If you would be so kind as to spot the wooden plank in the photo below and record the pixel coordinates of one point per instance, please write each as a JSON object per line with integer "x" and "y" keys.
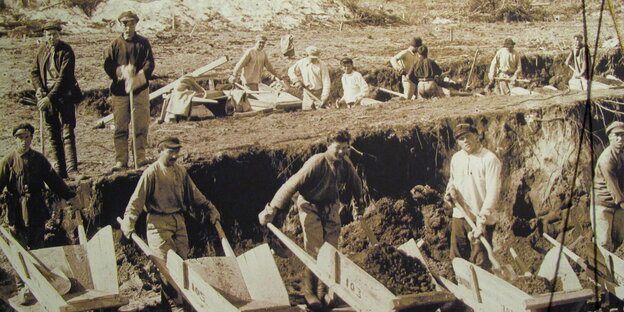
{"x": 202, "y": 100}
{"x": 102, "y": 261}
{"x": 494, "y": 290}
{"x": 428, "y": 299}
{"x": 552, "y": 264}
{"x": 38, "y": 284}
{"x": 576, "y": 258}
{"x": 366, "y": 292}
{"x": 262, "y": 276}
{"x": 198, "y": 72}
{"x": 223, "y": 274}
{"x": 203, "y": 297}
{"x": 393, "y": 92}
{"x": 465, "y": 294}
{"x": 618, "y": 265}
{"x": 558, "y": 298}
{"x": 355, "y": 283}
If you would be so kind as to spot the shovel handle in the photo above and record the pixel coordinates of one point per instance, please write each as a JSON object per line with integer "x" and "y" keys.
{"x": 227, "y": 248}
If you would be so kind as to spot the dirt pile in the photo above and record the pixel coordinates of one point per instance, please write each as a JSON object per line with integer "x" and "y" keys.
{"x": 533, "y": 285}
{"x": 400, "y": 273}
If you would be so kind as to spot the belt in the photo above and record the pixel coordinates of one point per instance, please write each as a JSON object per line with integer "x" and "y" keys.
{"x": 164, "y": 213}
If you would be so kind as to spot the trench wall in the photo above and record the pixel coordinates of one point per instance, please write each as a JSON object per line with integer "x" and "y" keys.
{"x": 539, "y": 149}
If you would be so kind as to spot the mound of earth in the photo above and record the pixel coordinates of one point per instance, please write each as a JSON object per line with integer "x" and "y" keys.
{"x": 400, "y": 273}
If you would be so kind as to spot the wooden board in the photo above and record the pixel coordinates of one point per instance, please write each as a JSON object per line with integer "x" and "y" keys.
{"x": 198, "y": 72}
{"x": 71, "y": 260}
{"x": 223, "y": 274}
{"x": 343, "y": 277}
{"x": 558, "y": 298}
{"x": 30, "y": 274}
{"x": 618, "y": 265}
{"x": 556, "y": 265}
{"x": 102, "y": 261}
{"x": 262, "y": 277}
{"x": 412, "y": 249}
{"x": 495, "y": 292}
{"x": 197, "y": 292}
{"x": 351, "y": 283}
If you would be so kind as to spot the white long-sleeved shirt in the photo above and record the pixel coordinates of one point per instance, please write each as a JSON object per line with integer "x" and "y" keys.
{"x": 252, "y": 63}
{"x": 477, "y": 178}
{"x": 354, "y": 86}
{"x": 314, "y": 76}
{"x": 505, "y": 62}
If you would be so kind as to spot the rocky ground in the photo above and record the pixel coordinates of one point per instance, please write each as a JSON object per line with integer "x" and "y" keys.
{"x": 537, "y": 138}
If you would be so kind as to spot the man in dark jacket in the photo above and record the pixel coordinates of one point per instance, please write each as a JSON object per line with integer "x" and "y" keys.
{"x": 318, "y": 183}
{"x": 23, "y": 173}
{"x": 129, "y": 62}
{"x": 426, "y": 71}
{"x": 57, "y": 94}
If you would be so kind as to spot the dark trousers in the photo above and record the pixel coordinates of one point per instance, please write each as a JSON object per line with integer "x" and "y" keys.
{"x": 60, "y": 122}
{"x": 471, "y": 250}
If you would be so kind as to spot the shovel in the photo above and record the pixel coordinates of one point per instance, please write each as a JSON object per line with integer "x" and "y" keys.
{"x": 505, "y": 272}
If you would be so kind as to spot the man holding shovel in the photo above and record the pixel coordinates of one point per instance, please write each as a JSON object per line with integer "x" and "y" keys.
{"x": 474, "y": 183}
{"x": 318, "y": 183}
{"x": 57, "y": 94}
{"x": 608, "y": 187}
{"x": 129, "y": 62}
{"x": 23, "y": 173}
{"x": 505, "y": 69}
{"x": 166, "y": 191}
{"x": 313, "y": 76}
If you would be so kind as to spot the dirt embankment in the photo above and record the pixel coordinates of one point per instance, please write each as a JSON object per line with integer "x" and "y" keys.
{"x": 538, "y": 147}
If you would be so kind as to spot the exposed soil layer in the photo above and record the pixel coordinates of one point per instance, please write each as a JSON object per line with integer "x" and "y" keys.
{"x": 533, "y": 285}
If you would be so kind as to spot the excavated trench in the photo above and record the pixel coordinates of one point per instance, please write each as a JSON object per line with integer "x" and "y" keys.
{"x": 538, "y": 146}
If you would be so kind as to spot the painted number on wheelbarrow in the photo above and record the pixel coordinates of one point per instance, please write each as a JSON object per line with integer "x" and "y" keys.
{"x": 352, "y": 287}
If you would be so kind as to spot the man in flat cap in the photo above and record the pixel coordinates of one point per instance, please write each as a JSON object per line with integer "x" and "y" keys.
{"x": 252, "y": 64}
{"x": 129, "y": 62}
{"x": 166, "y": 190}
{"x": 608, "y": 187}
{"x": 505, "y": 68}
{"x": 403, "y": 62}
{"x": 318, "y": 183}
{"x": 57, "y": 94}
{"x": 23, "y": 173}
{"x": 312, "y": 75}
{"x": 474, "y": 182}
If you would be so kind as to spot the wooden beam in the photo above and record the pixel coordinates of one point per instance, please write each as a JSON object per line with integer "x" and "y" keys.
{"x": 393, "y": 92}
{"x": 198, "y": 72}
{"x": 558, "y": 298}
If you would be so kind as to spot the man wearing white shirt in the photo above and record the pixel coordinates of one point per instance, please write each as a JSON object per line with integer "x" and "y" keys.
{"x": 476, "y": 178}
{"x": 505, "y": 68}
{"x": 403, "y": 62}
{"x": 353, "y": 84}
{"x": 313, "y": 75}
{"x": 252, "y": 64}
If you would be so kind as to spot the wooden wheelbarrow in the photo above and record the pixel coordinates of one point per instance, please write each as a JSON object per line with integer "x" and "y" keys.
{"x": 91, "y": 267}
{"x": 357, "y": 288}
{"x": 605, "y": 269}
{"x": 249, "y": 282}
{"x": 483, "y": 291}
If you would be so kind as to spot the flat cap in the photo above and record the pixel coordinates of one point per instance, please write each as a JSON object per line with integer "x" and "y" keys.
{"x": 509, "y": 43}
{"x": 52, "y": 25}
{"x": 23, "y": 127}
{"x": 128, "y": 15}
{"x": 464, "y": 128}
{"x": 416, "y": 42}
{"x": 313, "y": 51}
{"x": 170, "y": 142}
{"x": 615, "y": 127}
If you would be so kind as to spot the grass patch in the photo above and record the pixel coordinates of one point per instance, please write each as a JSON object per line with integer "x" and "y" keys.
{"x": 362, "y": 15}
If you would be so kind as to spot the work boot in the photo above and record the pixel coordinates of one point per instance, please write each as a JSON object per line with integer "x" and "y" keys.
{"x": 60, "y": 166}
{"x": 309, "y": 290}
{"x": 72, "y": 156}
{"x": 25, "y": 296}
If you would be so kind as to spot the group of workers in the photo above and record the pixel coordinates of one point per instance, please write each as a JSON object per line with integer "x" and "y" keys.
{"x": 165, "y": 190}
